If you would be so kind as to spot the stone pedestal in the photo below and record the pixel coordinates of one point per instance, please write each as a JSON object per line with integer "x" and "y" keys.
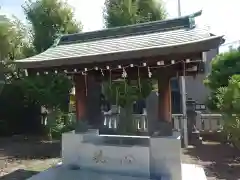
{"x": 165, "y": 157}
{"x": 136, "y": 156}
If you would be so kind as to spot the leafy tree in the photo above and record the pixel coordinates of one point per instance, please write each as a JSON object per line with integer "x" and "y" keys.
{"x": 123, "y": 91}
{"x": 49, "y": 19}
{"x": 151, "y": 10}
{"x": 229, "y": 104}
{"x": 122, "y": 13}
{"x": 127, "y": 12}
{"x": 224, "y": 66}
{"x": 12, "y": 35}
{"x": 5, "y": 28}
{"x": 37, "y": 91}
{"x": 13, "y": 40}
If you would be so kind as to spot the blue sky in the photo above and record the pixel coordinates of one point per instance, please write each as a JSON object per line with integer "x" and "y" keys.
{"x": 220, "y": 16}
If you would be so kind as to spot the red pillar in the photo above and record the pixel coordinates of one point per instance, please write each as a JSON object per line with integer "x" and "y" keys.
{"x": 80, "y": 95}
{"x": 164, "y": 90}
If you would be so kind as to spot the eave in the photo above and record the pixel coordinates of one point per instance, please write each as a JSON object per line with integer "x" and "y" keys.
{"x": 201, "y": 45}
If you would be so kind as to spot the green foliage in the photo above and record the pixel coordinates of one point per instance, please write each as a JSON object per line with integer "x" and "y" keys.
{"x": 12, "y": 35}
{"x": 224, "y": 82}
{"x": 13, "y": 45}
{"x": 122, "y": 13}
{"x": 151, "y": 10}
{"x": 61, "y": 124}
{"x": 49, "y": 19}
{"x": 13, "y": 40}
{"x": 229, "y": 96}
{"x": 123, "y": 92}
{"x": 229, "y": 104}
{"x": 5, "y": 28}
{"x": 224, "y": 66}
{"x": 50, "y": 91}
{"x": 127, "y": 12}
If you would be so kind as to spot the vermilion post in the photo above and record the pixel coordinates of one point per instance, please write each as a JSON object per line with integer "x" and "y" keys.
{"x": 80, "y": 95}
{"x": 164, "y": 90}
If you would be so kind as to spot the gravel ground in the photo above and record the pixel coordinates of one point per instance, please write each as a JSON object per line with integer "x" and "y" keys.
{"x": 21, "y": 158}
{"x": 220, "y": 161}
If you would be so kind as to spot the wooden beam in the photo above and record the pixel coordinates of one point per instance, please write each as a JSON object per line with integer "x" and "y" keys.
{"x": 164, "y": 94}
{"x": 150, "y": 61}
{"x": 80, "y": 93}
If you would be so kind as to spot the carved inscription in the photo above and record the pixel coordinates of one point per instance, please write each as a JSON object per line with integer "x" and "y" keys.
{"x": 98, "y": 157}
{"x": 129, "y": 159}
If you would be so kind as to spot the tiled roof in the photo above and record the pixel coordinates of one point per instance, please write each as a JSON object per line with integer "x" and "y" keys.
{"x": 124, "y": 44}
{"x": 136, "y": 29}
{"x": 154, "y": 35}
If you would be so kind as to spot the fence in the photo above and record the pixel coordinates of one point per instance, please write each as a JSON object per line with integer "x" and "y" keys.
{"x": 140, "y": 120}
{"x": 205, "y": 123}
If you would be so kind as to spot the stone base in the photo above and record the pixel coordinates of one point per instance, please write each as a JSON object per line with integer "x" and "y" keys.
{"x": 163, "y": 128}
{"x": 141, "y": 156}
{"x": 194, "y": 138}
{"x": 166, "y": 157}
{"x": 189, "y": 172}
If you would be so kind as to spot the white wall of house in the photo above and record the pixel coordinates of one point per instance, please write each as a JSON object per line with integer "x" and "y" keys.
{"x": 194, "y": 85}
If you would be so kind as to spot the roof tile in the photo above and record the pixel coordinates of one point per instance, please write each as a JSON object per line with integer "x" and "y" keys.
{"x": 123, "y": 44}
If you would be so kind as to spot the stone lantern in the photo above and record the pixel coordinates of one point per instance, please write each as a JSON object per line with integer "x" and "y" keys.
{"x": 193, "y": 134}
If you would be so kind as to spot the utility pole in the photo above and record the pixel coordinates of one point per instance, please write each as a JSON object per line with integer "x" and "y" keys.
{"x": 179, "y": 8}
{"x": 183, "y": 91}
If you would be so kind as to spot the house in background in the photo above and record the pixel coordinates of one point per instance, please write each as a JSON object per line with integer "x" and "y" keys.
{"x": 195, "y": 88}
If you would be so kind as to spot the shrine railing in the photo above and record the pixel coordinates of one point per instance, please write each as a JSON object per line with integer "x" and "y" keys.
{"x": 205, "y": 123}
{"x": 111, "y": 121}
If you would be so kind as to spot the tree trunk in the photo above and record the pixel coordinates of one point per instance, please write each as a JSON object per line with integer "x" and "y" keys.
{"x": 51, "y": 119}
{"x": 49, "y": 136}
{"x": 126, "y": 124}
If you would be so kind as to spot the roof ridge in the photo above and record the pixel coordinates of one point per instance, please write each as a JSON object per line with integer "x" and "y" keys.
{"x": 136, "y": 29}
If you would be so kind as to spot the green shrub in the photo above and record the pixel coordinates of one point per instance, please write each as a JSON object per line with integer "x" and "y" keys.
{"x": 61, "y": 124}
{"x": 229, "y": 104}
